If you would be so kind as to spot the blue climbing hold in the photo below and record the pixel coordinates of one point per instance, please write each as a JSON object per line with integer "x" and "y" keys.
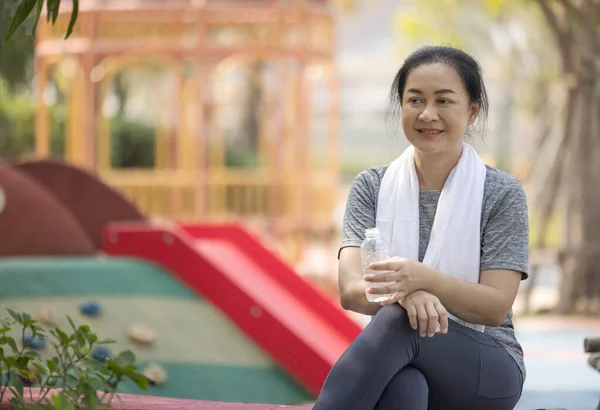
{"x": 90, "y": 309}
{"x": 100, "y": 353}
{"x": 33, "y": 342}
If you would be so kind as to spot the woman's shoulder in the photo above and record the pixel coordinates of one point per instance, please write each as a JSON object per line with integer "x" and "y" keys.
{"x": 370, "y": 178}
{"x": 502, "y": 188}
{"x": 499, "y": 181}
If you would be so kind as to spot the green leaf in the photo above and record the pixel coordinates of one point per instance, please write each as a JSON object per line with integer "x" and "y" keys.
{"x": 140, "y": 380}
{"x": 73, "y": 20}
{"x": 28, "y": 323}
{"x": 71, "y": 323}
{"x": 52, "y": 7}
{"x": 61, "y": 402}
{"x": 80, "y": 339}
{"x": 23, "y": 11}
{"x": 26, "y": 316}
{"x": 90, "y": 397}
{"x": 4, "y": 329}
{"x": 17, "y": 317}
{"x": 92, "y": 338}
{"x": 9, "y": 361}
{"x": 125, "y": 357}
{"x": 33, "y": 355}
{"x": 52, "y": 366}
{"x": 106, "y": 342}
{"x": 63, "y": 337}
{"x": 21, "y": 362}
{"x": 41, "y": 369}
{"x": 15, "y": 400}
{"x": 13, "y": 345}
{"x": 17, "y": 383}
{"x": 129, "y": 369}
{"x": 38, "y": 13}
{"x": 94, "y": 365}
{"x": 114, "y": 366}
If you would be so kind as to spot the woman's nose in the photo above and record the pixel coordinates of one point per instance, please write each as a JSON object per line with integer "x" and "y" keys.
{"x": 429, "y": 114}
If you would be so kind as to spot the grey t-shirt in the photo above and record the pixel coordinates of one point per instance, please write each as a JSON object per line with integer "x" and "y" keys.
{"x": 504, "y": 231}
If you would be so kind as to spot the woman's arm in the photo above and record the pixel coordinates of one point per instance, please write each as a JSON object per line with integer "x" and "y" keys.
{"x": 486, "y": 303}
{"x": 351, "y": 283}
{"x": 483, "y": 303}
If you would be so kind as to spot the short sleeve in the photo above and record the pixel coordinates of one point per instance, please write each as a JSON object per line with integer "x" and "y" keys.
{"x": 361, "y": 209}
{"x": 505, "y": 238}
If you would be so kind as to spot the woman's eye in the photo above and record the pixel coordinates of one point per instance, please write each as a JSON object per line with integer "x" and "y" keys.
{"x": 414, "y": 100}
{"x": 444, "y": 101}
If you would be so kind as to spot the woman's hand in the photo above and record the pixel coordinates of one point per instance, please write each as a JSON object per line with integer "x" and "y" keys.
{"x": 407, "y": 276}
{"x": 425, "y": 312}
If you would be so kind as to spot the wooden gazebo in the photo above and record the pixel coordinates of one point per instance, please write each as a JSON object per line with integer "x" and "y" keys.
{"x": 292, "y": 189}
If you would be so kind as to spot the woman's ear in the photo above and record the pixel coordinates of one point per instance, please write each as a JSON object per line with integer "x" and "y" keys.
{"x": 473, "y": 111}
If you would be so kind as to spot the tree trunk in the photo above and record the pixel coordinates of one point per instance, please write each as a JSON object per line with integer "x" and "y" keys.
{"x": 577, "y": 33}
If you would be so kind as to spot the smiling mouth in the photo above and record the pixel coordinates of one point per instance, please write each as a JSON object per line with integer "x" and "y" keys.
{"x": 430, "y": 133}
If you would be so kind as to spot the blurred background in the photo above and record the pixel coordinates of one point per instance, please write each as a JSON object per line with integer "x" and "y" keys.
{"x": 260, "y": 114}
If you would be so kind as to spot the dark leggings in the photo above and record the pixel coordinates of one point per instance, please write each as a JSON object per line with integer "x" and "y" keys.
{"x": 389, "y": 366}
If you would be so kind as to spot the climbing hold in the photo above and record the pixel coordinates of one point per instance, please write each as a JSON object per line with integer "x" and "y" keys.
{"x": 47, "y": 316}
{"x": 33, "y": 342}
{"x": 156, "y": 374}
{"x": 100, "y": 353}
{"x": 90, "y": 309}
{"x": 141, "y": 334}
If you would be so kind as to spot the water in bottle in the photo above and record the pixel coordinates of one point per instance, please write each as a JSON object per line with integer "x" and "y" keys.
{"x": 374, "y": 249}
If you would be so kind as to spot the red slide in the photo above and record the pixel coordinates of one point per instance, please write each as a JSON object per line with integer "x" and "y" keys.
{"x": 300, "y": 327}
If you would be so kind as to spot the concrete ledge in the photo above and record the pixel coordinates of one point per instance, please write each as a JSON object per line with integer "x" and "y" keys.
{"x": 139, "y": 402}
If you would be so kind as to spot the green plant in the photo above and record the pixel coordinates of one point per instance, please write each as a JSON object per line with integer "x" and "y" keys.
{"x": 71, "y": 379}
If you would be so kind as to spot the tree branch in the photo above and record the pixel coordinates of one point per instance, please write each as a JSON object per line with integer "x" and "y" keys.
{"x": 562, "y": 34}
{"x": 586, "y": 22}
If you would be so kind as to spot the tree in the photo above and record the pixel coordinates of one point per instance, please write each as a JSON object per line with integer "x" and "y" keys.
{"x": 575, "y": 171}
{"x": 26, "y": 10}
{"x": 575, "y": 25}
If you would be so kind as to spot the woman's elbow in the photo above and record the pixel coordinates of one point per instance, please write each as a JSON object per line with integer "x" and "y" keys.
{"x": 345, "y": 300}
{"x": 497, "y": 318}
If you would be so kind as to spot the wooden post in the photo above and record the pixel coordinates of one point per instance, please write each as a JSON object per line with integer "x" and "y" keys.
{"x": 42, "y": 143}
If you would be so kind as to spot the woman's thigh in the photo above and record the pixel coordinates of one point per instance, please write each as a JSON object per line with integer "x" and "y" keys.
{"x": 467, "y": 369}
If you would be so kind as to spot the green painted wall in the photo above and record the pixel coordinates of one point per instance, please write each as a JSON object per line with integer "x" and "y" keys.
{"x": 206, "y": 357}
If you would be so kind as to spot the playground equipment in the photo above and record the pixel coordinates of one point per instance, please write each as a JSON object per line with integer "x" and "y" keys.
{"x": 286, "y": 46}
{"x": 230, "y": 321}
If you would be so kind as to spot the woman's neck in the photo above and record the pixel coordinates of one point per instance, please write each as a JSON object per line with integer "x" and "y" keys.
{"x": 433, "y": 170}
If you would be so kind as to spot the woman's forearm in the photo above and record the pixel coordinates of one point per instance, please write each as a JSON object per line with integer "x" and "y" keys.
{"x": 352, "y": 297}
{"x": 473, "y": 302}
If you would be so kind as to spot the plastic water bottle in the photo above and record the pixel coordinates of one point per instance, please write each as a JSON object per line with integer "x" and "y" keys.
{"x": 374, "y": 249}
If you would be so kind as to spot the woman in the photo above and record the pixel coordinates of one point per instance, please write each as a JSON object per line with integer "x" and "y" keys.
{"x": 445, "y": 339}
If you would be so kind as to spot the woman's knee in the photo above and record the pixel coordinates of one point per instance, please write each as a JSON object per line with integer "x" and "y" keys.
{"x": 408, "y": 389}
{"x": 393, "y": 317}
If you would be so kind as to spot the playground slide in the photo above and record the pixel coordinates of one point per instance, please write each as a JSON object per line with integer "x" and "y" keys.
{"x": 299, "y": 327}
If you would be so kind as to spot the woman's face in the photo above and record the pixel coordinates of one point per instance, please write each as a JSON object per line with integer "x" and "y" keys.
{"x": 436, "y": 109}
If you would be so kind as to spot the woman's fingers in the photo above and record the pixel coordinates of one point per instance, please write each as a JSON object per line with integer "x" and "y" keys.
{"x": 412, "y": 315}
{"x": 423, "y": 319}
{"x": 391, "y": 264}
{"x": 443, "y": 317}
{"x": 433, "y": 319}
{"x": 396, "y": 297}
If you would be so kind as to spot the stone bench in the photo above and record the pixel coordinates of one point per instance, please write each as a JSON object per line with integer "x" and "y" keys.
{"x": 140, "y": 402}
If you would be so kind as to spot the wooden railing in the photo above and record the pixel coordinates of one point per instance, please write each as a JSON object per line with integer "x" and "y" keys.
{"x": 271, "y": 205}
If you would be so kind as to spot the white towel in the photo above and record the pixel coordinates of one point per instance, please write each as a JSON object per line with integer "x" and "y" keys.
{"x": 455, "y": 244}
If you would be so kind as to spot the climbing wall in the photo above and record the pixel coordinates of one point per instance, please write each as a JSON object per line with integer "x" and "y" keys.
{"x": 202, "y": 354}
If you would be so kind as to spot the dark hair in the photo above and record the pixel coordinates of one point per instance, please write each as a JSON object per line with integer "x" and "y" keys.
{"x": 466, "y": 66}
